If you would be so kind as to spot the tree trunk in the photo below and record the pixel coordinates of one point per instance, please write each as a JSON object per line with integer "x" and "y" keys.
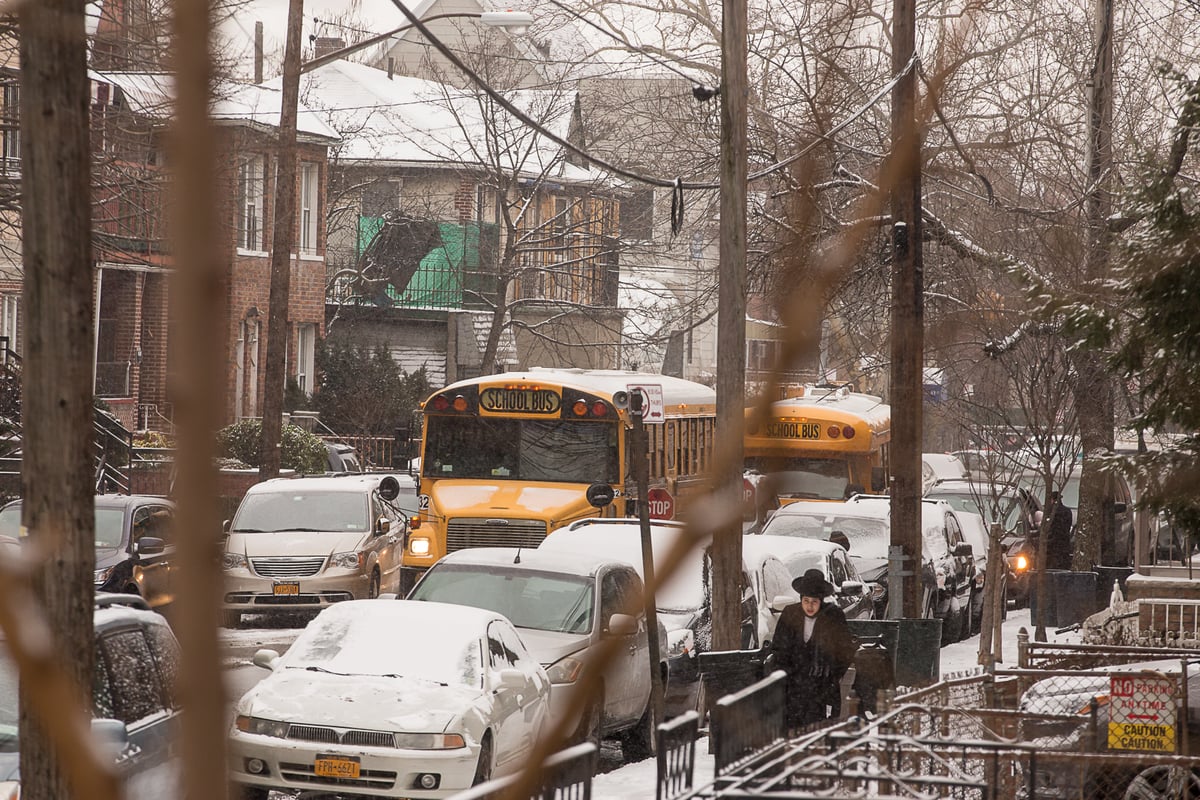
{"x": 56, "y": 474}
{"x": 487, "y": 364}
{"x": 282, "y": 240}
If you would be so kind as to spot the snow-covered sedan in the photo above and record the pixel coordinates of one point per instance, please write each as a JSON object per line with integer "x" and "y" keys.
{"x": 391, "y": 699}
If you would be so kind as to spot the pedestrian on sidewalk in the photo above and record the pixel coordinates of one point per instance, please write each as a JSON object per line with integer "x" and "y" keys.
{"x": 814, "y": 646}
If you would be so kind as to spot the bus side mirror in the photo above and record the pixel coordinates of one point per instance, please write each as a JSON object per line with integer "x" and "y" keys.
{"x": 600, "y": 494}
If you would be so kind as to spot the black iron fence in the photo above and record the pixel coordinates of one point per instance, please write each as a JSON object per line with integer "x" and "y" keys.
{"x": 676, "y": 756}
{"x": 746, "y": 722}
{"x": 566, "y": 775}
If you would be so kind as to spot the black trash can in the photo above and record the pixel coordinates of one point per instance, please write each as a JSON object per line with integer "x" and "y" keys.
{"x": 874, "y": 669}
{"x": 918, "y": 652}
{"x": 1074, "y": 597}
{"x": 1035, "y": 602}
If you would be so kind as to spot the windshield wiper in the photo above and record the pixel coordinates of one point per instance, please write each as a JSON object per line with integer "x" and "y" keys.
{"x": 427, "y": 680}
{"x": 246, "y": 530}
{"x": 315, "y": 668}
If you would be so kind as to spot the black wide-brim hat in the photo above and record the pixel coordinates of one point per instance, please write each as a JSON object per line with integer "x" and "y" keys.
{"x": 813, "y": 584}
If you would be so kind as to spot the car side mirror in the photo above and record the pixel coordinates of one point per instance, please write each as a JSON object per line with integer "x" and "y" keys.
{"x": 622, "y": 625}
{"x": 781, "y": 601}
{"x": 225, "y": 525}
{"x": 265, "y": 658}
{"x": 149, "y": 546}
{"x": 511, "y": 679}
{"x": 964, "y": 550}
{"x": 112, "y": 735}
{"x": 382, "y": 526}
{"x": 851, "y": 588}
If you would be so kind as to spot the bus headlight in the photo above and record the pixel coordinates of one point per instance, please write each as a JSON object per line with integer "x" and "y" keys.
{"x": 418, "y": 546}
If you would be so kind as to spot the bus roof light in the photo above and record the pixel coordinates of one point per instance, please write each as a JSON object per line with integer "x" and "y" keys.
{"x": 834, "y": 431}
{"x": 580, "y": 407}
{"x": 848, "y": 431}
{"x": 460, "y": 403}
{"x": 599, "y": 409}
{"x": 440, "y": 403}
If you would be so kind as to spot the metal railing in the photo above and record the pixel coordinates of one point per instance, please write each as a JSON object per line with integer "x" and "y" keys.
{"x": 676, "y": 756}
{"x": 746, "y": 722}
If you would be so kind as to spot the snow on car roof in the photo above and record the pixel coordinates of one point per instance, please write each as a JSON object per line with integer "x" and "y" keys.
{"x": 350, "y": 482}
{"x": 571, "y": 563}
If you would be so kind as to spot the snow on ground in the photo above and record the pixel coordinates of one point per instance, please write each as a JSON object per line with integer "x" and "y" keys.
{"x": 638, "y": 780}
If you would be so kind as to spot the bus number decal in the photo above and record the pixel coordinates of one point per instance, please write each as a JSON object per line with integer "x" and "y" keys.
{"x": 423, "y": 502}
{"x": 527, "y": 401}
{"x": 794, "y": 430}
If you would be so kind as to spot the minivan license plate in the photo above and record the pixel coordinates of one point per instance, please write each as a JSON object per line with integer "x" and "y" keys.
{"x": 336, "y": 767}
{"x": 288, "y": 588}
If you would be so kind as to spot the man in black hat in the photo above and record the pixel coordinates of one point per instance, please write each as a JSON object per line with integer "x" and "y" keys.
{"x": 813, "y": 644}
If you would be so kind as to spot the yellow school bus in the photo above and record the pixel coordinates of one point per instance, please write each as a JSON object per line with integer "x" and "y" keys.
{"x": 821, "y": 444}
{"x": 505, "y": 459}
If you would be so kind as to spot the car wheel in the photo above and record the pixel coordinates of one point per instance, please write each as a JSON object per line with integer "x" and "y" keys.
{"x": 373, "y": 588}
{"x": 637, "y": 743}
{"x": 1163, "y": 782}
{"x": 592, "y": 723}
{"x": 483, "y": 768}
{"x": 231, "y": 619}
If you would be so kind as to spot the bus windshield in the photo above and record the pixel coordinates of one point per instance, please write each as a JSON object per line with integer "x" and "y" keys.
{"x": 521, "y": 449}
{"x": 805, "y": 478}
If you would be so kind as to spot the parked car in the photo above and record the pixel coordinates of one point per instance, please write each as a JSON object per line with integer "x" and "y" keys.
{"x": 565, "y": 605}
{"x": 300, "y": 544}
{"x": 800, "y": 555}
{"x": 134, "y": 554}
{"x": 342, "y": 458}
{"x": 135, "y": 709}
{"x": 940, "y": 467}
{"x": 948, "y": 571}
{"x": 684, "y": 599}
{"x": 391, "y": 699}
{"x": 1117, "y": 543}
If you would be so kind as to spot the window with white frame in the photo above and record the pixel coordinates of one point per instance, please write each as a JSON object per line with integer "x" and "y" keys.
{"x": 306, "y": 345}
{"x": 761, "y": 354}
{"x": 308, "y": 208}
{"x": 251, "y": 175}
{"x": 11, "y": 124}
{"x": 9, "y": 310}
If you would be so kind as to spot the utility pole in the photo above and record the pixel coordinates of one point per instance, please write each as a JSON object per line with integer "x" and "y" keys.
{"x": 641, "y": 476}
{"x": 282, "y": 239}
{"x": 731, "y": 327}
{"x": 908, "y": 336}
{"x": 1093, "y": 384}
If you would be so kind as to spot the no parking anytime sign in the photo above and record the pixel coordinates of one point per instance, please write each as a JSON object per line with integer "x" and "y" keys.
{"x": 1142, "y": 713}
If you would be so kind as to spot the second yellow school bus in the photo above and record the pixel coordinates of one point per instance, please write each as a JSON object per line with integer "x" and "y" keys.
{"x": 505, "y": 459}
{"x": 821, "y": 443}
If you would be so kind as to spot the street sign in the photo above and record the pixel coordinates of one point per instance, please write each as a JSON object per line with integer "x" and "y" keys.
{"x": 1142, "y": 712}
{"x": 748, "y": 492}
{"x": 660, "y": 504}
{"x": 654, "y": 411}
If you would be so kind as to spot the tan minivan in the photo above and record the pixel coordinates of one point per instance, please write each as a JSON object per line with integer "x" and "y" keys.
{"x": 301, "y": 544}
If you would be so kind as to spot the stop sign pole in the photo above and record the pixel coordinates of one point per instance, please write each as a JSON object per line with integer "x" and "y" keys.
{"x": 641, "y": 477}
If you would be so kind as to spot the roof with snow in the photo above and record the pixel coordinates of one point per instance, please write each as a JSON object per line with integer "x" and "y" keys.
{"x": 410, "y": 120}
{"x": 153, "y": 94}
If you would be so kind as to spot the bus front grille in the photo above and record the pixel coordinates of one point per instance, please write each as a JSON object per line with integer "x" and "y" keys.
{"x": 464, "y": 533}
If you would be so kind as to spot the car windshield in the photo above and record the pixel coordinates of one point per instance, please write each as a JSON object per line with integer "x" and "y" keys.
{"x": 8, "y": 702}
{"x": 521, "y": 449}
{"x": 299, "y": 510}
{"x": 110, "y": 525}
{"x": 807, "y": 478}
{"x": 538, "y": 600}
{"x": 366, "y": 640}
{"x": 869, "y": 536}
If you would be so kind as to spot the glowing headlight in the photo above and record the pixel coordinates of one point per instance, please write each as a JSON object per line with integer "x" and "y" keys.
{"x": 1021, "y": 563}
{"x": 429, "y": 741}
{"x": 565, "y": 670}
{"x": 347, "y": 560}
{"x": 419, "y": 546}
{"x": 103, "y": 574}
{"x": 233, "y": 561}
{"x": 262, "y": 727}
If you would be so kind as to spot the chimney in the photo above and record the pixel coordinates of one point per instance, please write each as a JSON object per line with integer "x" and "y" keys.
{"x": 324, "y": 45}
{"x": 391, "y": 67}
{"x": 258, "y": 51}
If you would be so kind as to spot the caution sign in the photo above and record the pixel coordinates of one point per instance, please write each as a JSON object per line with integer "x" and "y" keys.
{"x": 1142, "y": 713}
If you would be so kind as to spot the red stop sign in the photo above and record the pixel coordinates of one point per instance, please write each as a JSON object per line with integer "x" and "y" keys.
{"x": 660, "y": 504}
{"x": 747, "y": 491}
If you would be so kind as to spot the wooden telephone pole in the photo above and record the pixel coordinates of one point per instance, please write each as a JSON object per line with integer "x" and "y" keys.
{"x": 908, "y": 315}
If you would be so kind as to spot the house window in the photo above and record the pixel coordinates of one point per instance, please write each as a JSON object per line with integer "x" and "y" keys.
{"x": 381, "y": 196}
{"x": 308, "y": 208}
{"x": 761, "y": 354}
{"x": 306, "y": 336}
{"x": 10, "y": 124}
{"x": 9, "y": 305}
{"x": 637, "y": 216}
{"x": 250, "y": 203}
